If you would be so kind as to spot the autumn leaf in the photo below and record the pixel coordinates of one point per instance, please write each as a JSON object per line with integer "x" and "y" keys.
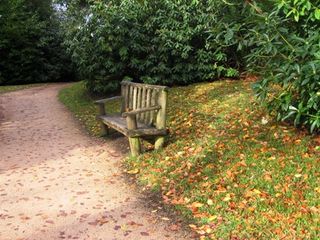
{"x": 210, "y": 202}
{"x": 133, "y": 171}
{"x": 227, "y": 198}
{"x": 197, "y": 205}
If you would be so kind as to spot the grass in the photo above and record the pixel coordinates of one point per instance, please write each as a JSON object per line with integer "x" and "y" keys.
{"x": 81, "y": 104}
{"x": 227, "y": 165}
{"x": 5, "y": 89}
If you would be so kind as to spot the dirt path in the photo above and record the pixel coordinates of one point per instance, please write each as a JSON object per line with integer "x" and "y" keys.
{"x": 57, "y": 183}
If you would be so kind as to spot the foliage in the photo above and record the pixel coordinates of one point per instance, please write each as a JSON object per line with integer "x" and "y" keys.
{"x": 227, "y": 165}
{"x": 158, "y": 42}
{"x": 285, "y": 52}
{"x": 181, "y": 42}
{"x": 31, "y": 43}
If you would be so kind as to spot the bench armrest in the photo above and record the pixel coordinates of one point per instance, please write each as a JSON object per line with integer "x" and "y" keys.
{"x": 101, "y": 104}
{"x": 103, "y": 101}
{"x": 140, "y": 110}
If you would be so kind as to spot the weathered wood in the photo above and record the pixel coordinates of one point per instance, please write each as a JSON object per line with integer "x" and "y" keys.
{"x": 135, "y": 97}
{"x": 134, "y": 142}
{"x": 159, "y": 142}
{"x": 115, "y": 122}
{"x": 148, "y": 104}
{"x": 143, "y": 104}
{"x": 123, "y": 102}
{"x": 119, "y": 123}
{"x": 147, "y": 132}
{"x": 139, "y": 103}
{"x": 103, "y": 101}
{"x": 153, "y": 103}
{"x": 126, "y": 97}
{"x": 161, "y": 118}
{"x": 144, "y": 85}
{"x": 102, "y": 111}
{"x": 142, "y": 114}
{"x": 130, "y": 100}
{"x": 141, "y": 110}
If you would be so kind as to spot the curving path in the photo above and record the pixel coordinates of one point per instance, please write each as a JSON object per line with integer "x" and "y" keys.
{"x": 57, "y": 183}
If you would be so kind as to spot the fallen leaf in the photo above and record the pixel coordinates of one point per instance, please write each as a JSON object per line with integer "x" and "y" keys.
{"x": 210, "y": 202}
{"x": 227, "y": 198}
{"x": 197, "y": 205}
{"x": 144, "y": 234}
{"x": 211, "y": 218}
{"x": 133, "y": 171}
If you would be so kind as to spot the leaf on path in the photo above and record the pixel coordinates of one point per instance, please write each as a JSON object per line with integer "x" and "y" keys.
{"x": 133, "y": 171}
{"x": 144, "y": 234}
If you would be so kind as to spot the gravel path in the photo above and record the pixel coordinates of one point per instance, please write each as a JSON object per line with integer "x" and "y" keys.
{"x": 58, "y": 183}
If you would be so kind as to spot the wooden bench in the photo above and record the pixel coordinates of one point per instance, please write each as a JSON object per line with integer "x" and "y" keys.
{"x": 142, "y": 114}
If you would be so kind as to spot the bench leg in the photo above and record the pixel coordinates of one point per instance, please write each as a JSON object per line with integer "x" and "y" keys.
{"x": 159, "y": 142}
{"x": 104, "y": 129}
{"x": 135, "y": 146}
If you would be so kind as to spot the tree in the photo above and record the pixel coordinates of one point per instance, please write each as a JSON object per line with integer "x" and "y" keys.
{"x": 31, "y": 43}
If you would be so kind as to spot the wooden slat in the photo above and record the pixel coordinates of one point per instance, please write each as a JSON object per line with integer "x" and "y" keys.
{"x": 153, "y": 103}
{"x": 139, "y": 102}
{"x": 147, "y": 132}
{"x": 126, "y": 90}
{"x": 141, "y": 110}
{"x": 143, "y": 104}
{"x": 123, "y": 102}
{"x": 117, "y": 122}
{"x": 127, "y": 97}
{"x": 148, "y": 86}
{"x": 134, "y": 98}
{"x": 130, "y": 97}
{"x": 148, "y": 104}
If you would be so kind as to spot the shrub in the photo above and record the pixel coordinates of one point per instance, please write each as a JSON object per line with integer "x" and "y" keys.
{"x": 285, "y": 52}
{"x": 157, "y": 42}
{"x": 181, "y": 42}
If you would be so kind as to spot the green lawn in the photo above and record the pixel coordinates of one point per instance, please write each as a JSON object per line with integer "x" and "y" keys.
{"x": 227, "y": 165}
{"x": 82, "y": 105}
{"x": 4, "y": 89}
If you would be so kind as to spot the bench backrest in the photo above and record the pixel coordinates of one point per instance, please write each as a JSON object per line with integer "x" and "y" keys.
{"x": 137, "y": 95}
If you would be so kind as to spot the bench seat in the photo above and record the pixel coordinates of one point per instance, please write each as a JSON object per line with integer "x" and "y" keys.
{"x": 119, "y": 123}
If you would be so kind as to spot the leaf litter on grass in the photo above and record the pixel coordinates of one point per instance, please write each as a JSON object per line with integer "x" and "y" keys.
{"x": 232, "y": 169}
{"x": 227, "y": 165}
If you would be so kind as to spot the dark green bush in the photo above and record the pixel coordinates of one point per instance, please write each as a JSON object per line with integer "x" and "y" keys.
{"x": 157, "y": 42}
{"x": 285, "y": 51}
{"x": 181, "y": 42}
{"x": 31, "y": 47}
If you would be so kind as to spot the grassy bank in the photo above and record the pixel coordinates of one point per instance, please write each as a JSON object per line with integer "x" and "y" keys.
{"x": 81, "y": 104}
{"x": 227, "y": 165}
{"x": 4, "y": 89}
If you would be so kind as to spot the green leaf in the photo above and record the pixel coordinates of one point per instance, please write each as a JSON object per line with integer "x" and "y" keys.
{"x": 314, "y": 124}
{"x": 317, "y": 14}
